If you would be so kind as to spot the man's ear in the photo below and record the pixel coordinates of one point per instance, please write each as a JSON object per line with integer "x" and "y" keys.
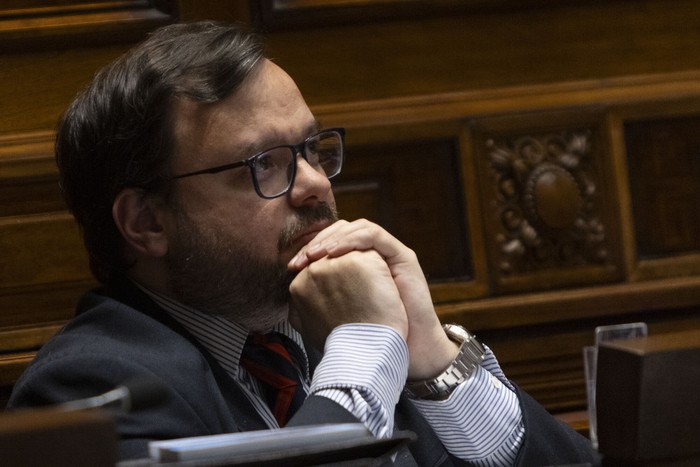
{"x": 133, "y": 213}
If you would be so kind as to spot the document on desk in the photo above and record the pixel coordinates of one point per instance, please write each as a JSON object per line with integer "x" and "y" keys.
{"x": 263, "y": 444}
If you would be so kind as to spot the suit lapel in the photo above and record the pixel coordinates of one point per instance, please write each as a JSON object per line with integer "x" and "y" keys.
{"x": 244, "y": 415}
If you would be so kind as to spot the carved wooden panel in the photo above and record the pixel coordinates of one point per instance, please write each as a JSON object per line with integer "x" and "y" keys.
{"x": 545, "y": 201}
{"x": 663, "y": 157}
{"x": 413, "y": 189}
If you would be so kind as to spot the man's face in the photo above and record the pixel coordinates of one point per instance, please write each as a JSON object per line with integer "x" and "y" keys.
{"x": 228, "y": 247}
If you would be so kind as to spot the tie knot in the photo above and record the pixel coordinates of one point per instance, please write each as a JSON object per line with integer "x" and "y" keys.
{"x": 273, "y": 344}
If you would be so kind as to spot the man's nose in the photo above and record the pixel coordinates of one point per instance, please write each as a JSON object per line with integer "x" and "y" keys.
{"x": 310, "y": 185}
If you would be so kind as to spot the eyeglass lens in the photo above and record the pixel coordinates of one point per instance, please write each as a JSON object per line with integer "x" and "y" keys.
{"x": 274, "y": 169}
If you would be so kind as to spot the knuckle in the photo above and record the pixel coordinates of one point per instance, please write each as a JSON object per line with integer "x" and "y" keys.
{"x": 411, "y": 254}
{"x": 295, "y": 286}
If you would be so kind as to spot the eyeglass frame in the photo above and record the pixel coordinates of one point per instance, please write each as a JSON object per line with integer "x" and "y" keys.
{"x": 297, "y": 149}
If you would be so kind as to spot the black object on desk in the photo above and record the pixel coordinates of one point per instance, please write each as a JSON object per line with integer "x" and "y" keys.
{"x": 648, "y": 400}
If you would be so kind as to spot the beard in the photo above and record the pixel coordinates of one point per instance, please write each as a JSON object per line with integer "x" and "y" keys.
{"x": 224, "y": 276}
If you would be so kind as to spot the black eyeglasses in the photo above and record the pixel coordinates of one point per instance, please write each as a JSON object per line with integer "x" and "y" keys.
{"x": 274, "y": 169}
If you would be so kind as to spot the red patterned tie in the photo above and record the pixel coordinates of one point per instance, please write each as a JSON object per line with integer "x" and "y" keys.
{"x": 267, "y": 358}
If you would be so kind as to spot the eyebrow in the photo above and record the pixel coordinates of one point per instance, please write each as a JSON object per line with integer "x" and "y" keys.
{"x": 256, "y": 147}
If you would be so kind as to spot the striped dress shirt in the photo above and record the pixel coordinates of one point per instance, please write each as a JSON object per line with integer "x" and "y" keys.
{"x": 364, "y": 369}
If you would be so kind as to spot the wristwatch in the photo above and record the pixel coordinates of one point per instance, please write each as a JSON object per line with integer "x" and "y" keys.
{"x": 471, "y": 353}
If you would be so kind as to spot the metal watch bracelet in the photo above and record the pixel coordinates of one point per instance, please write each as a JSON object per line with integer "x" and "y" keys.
{"x": 470, "y": 355}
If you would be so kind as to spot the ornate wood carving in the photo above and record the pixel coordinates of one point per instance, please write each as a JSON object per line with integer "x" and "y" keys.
{"x": 543, "y": 193}
{"x": 546, "y": 201}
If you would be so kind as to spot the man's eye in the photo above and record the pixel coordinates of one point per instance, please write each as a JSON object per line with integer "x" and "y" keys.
{"x": 264, "y": 162}
{"x": 272, "y": 163}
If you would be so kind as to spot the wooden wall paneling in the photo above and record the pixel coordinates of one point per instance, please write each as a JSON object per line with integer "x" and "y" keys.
{"x": 31, "y": 24}
{"x": 271, "y": 15}
{"x": 437, "y": 108}
{"x": 617, "y": 151}
{"x": 548, "y": 203}
{"x": 529, "y": 330}
{"x": 375, "y": 117}
{"x": 598, "y": 302}
{"x": 577, "y": 41}
{"x": 680, "y": 141}
{"x": 663, "y": 156}
{"x": 28, "y": 174}
{"x": 37, "y": 86}
{"x": 49, "y": 51}
{"x": 480, "y": 285}
{"x": 42, "y": 250}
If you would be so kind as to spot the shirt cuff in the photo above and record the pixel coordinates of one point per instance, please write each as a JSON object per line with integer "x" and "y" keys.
{"x": 481, "y": 421}
{"x": 364, "y": 369}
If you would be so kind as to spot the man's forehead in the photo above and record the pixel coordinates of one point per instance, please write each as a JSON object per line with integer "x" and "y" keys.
{"x": 206, "y": 136}
{"x": 196, "y": 122}
{"x": 265, "y": 111}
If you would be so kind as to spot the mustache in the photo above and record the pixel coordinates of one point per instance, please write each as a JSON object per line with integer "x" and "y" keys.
{"x": 303, "y": 218}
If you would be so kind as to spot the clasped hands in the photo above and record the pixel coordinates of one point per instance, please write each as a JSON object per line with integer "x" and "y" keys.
{"x": 356, "y": 272}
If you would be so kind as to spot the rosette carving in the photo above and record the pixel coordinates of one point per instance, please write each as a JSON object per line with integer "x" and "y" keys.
{"x": 547, "y": 201}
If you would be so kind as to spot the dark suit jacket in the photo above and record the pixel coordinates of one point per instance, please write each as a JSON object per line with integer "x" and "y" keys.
{"x": 119, "y": 333}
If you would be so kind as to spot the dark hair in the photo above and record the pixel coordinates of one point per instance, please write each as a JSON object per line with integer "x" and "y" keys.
{"x": 117, "y": 133}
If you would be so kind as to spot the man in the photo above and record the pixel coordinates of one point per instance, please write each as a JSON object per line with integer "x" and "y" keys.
{"x": 200, "y": 180}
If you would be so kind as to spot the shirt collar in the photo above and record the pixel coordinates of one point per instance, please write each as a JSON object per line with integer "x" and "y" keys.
{"x": 223, "y": 338}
